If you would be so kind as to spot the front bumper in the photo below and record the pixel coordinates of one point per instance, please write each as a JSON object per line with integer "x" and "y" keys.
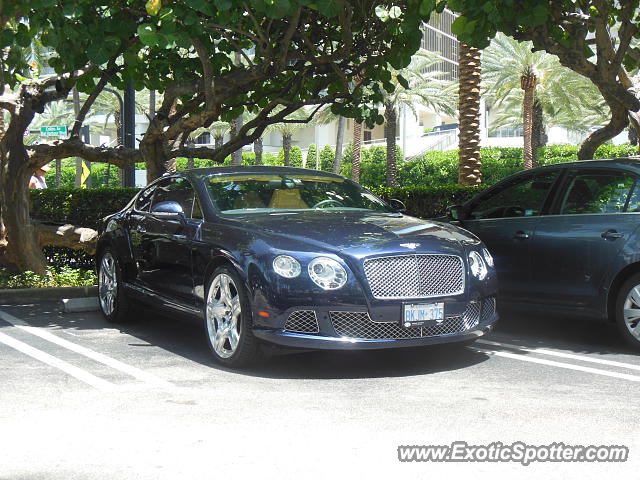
{"x": 358, "y": 328}
{"x": 325, "y": 342}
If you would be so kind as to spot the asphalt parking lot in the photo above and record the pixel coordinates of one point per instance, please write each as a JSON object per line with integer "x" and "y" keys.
{"x": 81, "y": 398}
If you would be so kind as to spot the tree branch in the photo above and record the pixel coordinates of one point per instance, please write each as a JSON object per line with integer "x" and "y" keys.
{"x": 104, "y": 79}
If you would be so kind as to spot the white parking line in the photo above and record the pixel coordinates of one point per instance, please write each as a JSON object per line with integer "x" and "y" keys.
{"x": 571, "y": 356}
{"x": 52, "y": 361}
{"x": 552, "y": 363}
{"x": 87, "y": 352}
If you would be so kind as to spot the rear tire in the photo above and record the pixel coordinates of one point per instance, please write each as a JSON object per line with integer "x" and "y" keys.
{"x": 113, "y": 300}
{"x": 228, "y": 320}
{"x": 627, "y": 311}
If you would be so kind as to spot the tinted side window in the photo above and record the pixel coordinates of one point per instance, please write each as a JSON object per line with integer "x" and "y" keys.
{"x": 522, "y": 199}
{"x": 144, "y": 199}
{"x": 597, "y": 192}
{"x": 178, "y": 190}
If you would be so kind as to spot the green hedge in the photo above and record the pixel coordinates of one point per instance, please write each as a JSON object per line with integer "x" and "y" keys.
{"x": 437, "y": 168}
{"x": 78, "y": 206}
{"x": 428, "y": 202}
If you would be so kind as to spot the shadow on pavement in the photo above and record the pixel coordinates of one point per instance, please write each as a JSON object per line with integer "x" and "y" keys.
{"x": 186, "y": 339}
{"x": 538, "y": 329}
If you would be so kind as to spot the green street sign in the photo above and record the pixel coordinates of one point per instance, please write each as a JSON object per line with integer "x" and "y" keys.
{"x": 54, "y": 131}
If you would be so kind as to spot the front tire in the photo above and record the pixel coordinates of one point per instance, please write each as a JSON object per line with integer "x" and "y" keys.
{"x": 228, "y": 322}
{"x": 627, "y": 312}
{"x": 113, "y": 300}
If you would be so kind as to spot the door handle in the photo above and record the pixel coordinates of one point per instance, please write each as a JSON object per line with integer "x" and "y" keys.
{"x": 520, "y": 235}
{"x": 611, "y": 235}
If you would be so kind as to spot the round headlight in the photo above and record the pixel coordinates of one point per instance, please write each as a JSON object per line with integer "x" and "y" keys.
{"x": 286, "y": 266}
{"x": 477, "y": 265}
{"x": 327, "y": 273}
{"x": 487, "y": 257}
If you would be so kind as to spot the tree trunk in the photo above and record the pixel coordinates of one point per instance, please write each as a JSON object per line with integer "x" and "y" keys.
{"x": 236, "y": 125}
{"x": 528, "y": 81}
{"x": 539, "y": 135}
{"x": 23, "y": 248}
{"x": 286, "y": 148}
{"x": 619, "y": 121}
{"x": 217, "y": 141}
{"x": 154, "y": 156}
{"x": 357, "y": 148}
{"x": 337, "y": 163}
{"x": 257, "y": 149}
{"x": 390, "y": 134}
{"x": 469, "y": 113}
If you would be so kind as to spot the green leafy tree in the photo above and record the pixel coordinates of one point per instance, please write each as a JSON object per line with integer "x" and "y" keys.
{"x": 597, "y": 39}
{"x": 184, "y": 49}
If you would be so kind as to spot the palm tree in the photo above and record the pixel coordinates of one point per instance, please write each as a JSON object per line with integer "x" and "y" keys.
{"x": 420, "y": 86}
{"x": 469, "y": 116}
{"x": 527, "y": 88}
{"x": 326, "y": 116}
{"x": 218, "y": 130}
{"x": 357, "y": 150}
{"x": 288, "y": 129}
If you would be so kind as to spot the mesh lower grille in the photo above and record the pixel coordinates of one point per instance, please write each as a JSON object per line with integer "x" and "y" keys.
{"x": 415, "y": 276}
{"x": 488, "y": 308}
{"x": 302, "y": 321}
{"x": 359, "y": 325}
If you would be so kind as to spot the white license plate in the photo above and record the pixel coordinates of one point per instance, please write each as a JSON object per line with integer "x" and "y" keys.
{"x": 422, "y": 314}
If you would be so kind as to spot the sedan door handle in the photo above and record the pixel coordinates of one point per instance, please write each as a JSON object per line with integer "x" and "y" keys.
{"x": 611, "y": 235}
{"x": 520, "y": 235}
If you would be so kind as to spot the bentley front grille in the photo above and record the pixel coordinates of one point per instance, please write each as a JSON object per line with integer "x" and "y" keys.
{"x": 415, "y": 276}
{"x": 302, "y": 321}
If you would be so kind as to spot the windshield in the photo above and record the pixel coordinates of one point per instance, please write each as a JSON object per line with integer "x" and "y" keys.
{"x": 268, "y": 193}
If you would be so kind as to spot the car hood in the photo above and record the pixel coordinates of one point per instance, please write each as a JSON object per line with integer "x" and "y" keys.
{"x": 362, "y": 233}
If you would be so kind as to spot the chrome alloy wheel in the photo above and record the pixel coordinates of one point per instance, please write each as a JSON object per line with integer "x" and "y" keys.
{"x": 631, "y": 311}
{"x": 107, "y": 283}
{"x": 223, "y": 315}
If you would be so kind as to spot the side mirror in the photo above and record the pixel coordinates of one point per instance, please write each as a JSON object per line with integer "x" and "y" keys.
{"x": 169, "y": 210}
{"x": 455, "y": 213}
{"x": 397, "y": 205}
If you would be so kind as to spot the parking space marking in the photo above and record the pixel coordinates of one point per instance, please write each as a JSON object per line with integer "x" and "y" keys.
{"x": 52, "y": 361}
{"x": 553, "y": 363}
{"x": 570, "y": 356}
{"x": 87, "y": 352}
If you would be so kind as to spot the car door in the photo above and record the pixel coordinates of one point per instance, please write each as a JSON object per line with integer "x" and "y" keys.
{"x": 167, "y": 241}
{"x": 138, "y": 219}
{"x": 572, "y": 248}
{"x": 505, "y": 219}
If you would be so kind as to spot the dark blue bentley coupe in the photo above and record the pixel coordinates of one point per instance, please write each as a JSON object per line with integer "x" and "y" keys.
{"x": 293, "y": 257}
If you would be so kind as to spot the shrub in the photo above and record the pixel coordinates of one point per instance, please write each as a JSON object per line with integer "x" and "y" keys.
{"x": 327, "y": 157}
{"x": 55, "y": 277}
{"x": 79, "y": 206}
{"x": 295, "y": 157}
{"x": 311, "y": 156}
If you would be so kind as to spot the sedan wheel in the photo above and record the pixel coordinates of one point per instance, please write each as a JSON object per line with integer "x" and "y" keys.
{"x": 113, "y": 300}
{"x": 628, "y": 310}
{"x": 228, "y": 317}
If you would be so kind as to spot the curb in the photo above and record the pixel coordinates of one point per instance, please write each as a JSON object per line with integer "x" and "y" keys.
{"x": 33, "y": 295}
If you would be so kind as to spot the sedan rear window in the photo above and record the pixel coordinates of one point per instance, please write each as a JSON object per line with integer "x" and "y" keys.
{"x": 268, "y": 193}
{"x": 597, "y": 192}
